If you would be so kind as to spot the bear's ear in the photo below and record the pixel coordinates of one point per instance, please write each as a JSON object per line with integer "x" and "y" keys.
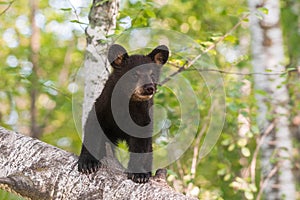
{"x": 116, "y": 55}
{"x": 160, "y": 54}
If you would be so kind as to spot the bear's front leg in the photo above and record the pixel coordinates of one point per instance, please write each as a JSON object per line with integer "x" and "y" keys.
{"x": 87, "y": 163}
{"x": 140, "y": 162}
{"x": 93, "y": 146}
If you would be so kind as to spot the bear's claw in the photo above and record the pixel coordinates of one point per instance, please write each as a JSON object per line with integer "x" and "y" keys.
{"x": 88, "y": 165}
{"x": 139, "y": 177}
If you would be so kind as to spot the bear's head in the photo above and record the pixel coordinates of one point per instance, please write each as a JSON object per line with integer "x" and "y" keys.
{"x": 140, "y": 72}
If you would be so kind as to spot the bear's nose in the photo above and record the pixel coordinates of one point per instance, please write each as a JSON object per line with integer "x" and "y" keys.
{"x": 149, "y": 89}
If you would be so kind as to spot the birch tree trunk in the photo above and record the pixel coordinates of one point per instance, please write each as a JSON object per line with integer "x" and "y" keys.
{"x": 268, "y": 56}
{"x": 102, "y": 22}
{"x": 35, "y": 130}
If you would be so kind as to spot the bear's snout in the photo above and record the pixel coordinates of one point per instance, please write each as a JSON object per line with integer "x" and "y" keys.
{"x": 149, "y": 89}
{"x": 144, "y": 93}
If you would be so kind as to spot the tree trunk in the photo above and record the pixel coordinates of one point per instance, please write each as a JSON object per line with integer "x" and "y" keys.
{"x": 36, "y": 170}
{"x": 102, "y": 22}
{"x": 34, "y": 58}
{"x": 268, "y": 56}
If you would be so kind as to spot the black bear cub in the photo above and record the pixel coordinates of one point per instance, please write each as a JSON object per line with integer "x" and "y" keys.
{"x": 123, "y": 112}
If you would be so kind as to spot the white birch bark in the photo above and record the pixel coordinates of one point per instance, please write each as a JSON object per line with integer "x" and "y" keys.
{"x": 268, "y": 55}
{"x": 243, "y": 121}
{"x": 36, "y": 170}
{"x": 102, "y": 22}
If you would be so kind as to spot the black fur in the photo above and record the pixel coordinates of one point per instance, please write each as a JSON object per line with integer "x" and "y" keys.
{"x": 134, "y": 77}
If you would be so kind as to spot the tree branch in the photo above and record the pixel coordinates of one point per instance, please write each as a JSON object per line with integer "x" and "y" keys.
{"x": 188, "y": 64}
{"x": 257, "y": 149}
{"x": 8, "y": 7}
{"x": 239, "y": 73}
{"x": 266, "y": 181}
{"x": 184, "y": 68}
{"x": 37, "y": 170}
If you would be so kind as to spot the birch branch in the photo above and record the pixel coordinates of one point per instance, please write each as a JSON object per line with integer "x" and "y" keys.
{"x": 36, "y": 170}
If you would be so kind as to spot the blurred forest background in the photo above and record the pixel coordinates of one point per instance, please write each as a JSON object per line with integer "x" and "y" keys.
{"x": 42, "y": 47}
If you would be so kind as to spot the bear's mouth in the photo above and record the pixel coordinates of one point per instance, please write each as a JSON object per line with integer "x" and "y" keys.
{"x": 141, "y": 95}
{"x": 138, "y": 97}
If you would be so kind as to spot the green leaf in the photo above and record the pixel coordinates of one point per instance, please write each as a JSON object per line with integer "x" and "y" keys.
{"x": 242, "y": 142}
{"x": 226, "y": 142}
{"x": 101, "y": 2}
{"x": 231, "y": 147}
{"x": 246, "y": 19}
{"x": 245, "y": 113}
{"x": 259, "y": 16}
{"x": 249, "y": 134}
{"x": 221, "y": 172}
{"x": 291, "y": 69}
{"x": 261, "y": 92}
{"x": 78, "y": 22}
{"x": 4, "y": 3}
{"x": 171, "y": 172}
{"x": 233, "y": 107}
{"x": 246, "y": 152}
{"x": 231, "y": 38}
{"x": 150, "y": 13}
{"x": 249, "y": 195}
{"x": 235, "y": 185}
{"x": 242, "y": 10}
{"x": 263, "y": 10}
{"x": 215, "y": 38}
{"x": 255, "y": 129}
{"x": 66, "y": 9}
{"x": 284, "y": 74}
{"x": 227, "y": 177}
{"x": 101, "y": 41}
{"x": 253, "y": 188}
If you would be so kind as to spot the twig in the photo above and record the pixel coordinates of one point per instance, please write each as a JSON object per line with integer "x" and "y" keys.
{"x": 180, "y": 169}
{"x": 189, "y": 64}
{"x": 220, "y": 40}
{"x": 196, "y": 150}
{"x": 255, "y": 154}
{"x": 265, "y": 182}
{"x": 9, "y": 5}
{"x": 77, "y": 17}
{"x": 136, "y": 17}
{"x": 180, "y": 69}
{"x": 238, "y": 73}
